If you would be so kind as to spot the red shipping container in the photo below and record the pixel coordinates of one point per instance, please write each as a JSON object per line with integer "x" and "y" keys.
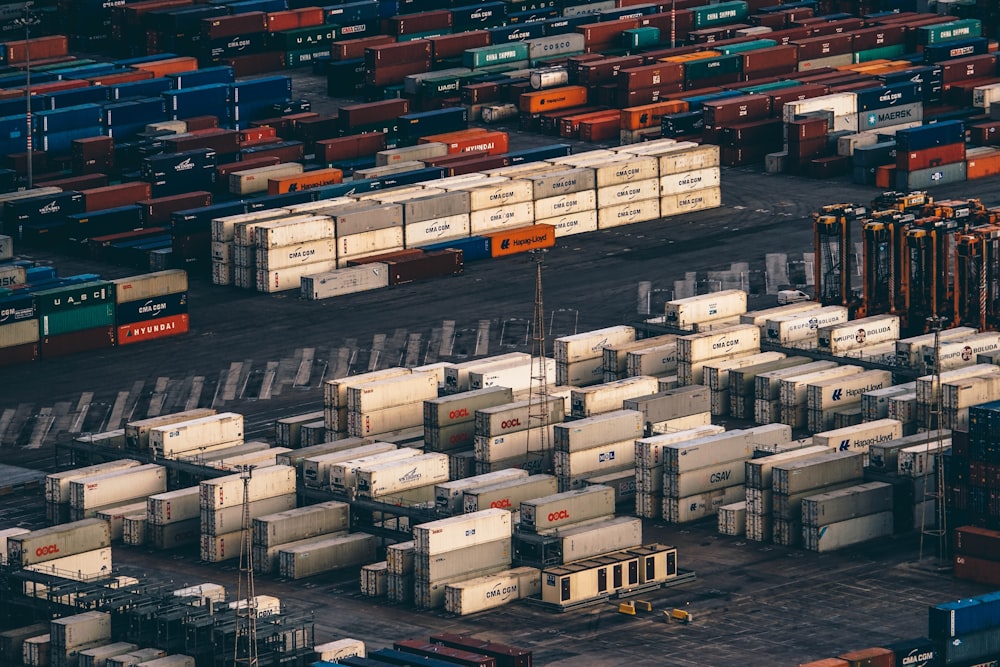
{"x": 740, "y": 109}
{"x": 648, "y": 76}
{"x": 978, "y": 570}
{"x": 605, "y": 70}
{"x": 775, "y": 59}
{"x": 113, "y": 196}
{"x": 452, "y": 46}
{"x": 355, "y": 48}
{"x": 50, "y": 347}
{"x": 930, "y": 157}
{"x": 601, "y": 130}
{"x": 153, "y": 329}
{"x": 223, "y": 170}
{"x": 825, "y": 46}
{"x": 876, "y": 38}
{"x": 353, "y": 115}
{"x": 409, "y": 24}
{"x": 157, "y": 211}
{"x": 605, "y": 32}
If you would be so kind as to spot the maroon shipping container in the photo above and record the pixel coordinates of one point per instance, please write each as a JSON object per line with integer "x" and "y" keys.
{"x": 829, "y": 167}
{"x": 353, "y": 115}
{"x": 808, "y": 129}
{"x": 350, "y": 147}
{"x": 481, "y": 163}
{"x": 400, "y": 52}
{"x": 386, "y": 257}
{"x": 256, "y": 63}
{"x": 290, "y": 151}
{"x": 429, "y": 265}
{"x": 605, "y": 70}
{"x": 971, "y": 67}
{"x": 977, "y": 569}
{"x": 775, "y": 60}
{"x": 870, "y": 657}
{"x": 233, "y": 25}
{"x": 223, "y": 170}
{"x": 825, "y": 46}
{"x": 75, "y": 182}
{"x": 506, "y": 656}
{"x": 99, "y": 338}
{"x": 452, "y": 655}
{"x": 759, "y": 132}
{"x": 605, "y": 32}
{"x": 157, "y": 211}
{"x": 452, "y": 46}
{"x": 647, "y": 76}
{"x": 977, "y": 542}
{"x": 876, "y": 38}
{"x": 355, "y": 48}
{"x": 219, "y": 140}
{"x": 780, "y": 97}
{"x": 930, "y": 157}
{"x": 391, "y": 75}
{"x": 409, "y": 24}
{"x": 113, "y": 196}
{"x": 18, "y": 354}
{"x": 480, "y": 93}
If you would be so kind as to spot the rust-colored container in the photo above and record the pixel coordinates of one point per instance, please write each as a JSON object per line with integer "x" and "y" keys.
{"x": 604, "y": 129}
{"x": 113, "y": 196}
{"x": 452, "y": 46}
{"x": 234, "y": 24}
{"x": 305, "y": 181}
{"x": 220, "y": 140}
{"x": 354, "y": 115}
{"x": 119, "y": 77}
{"x": 930, "y": 157}
{"x": 605, "y": 70}
{"x": 648, "y": 76}
{"x": 401, "y": 52}
{"x": 222, "y": 171}
{"x": 37, "y": 48}
{"x": 824, "y": 46}
{"x": 409, "y": 24}
{"x": 63, "y": 345}
{"x": 425, "y": 266}
{"x": 521, "y": 239}
{"x": 350, "y": 147}
{"x": 74, "y": 182}
{"x": 157, "y": 211}
{"x": 355, "y": 48}
{"x": 18, "y": 354}
{"x": 649, "y": 115}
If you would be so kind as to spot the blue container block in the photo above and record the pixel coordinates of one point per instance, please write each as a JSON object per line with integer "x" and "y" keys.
{"x": 70, "y": 118}
{"x": 517, "y": 33}
{"x": 138, "y": 89}
{"x": 207, "y": 100}
{"x": 351, "y": 13}
{"x": 75, "y": 96}
{"x": 540, "y": 153}
{"x": 202, "y": 77}
{"x": 472, "y": 247}
{"x": 929, "y": 136}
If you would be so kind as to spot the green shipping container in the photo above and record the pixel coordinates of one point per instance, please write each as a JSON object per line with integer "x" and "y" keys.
{"x": 75, "y": 296}
{"x": 499, "y": 54}
{"x": 730, "y": 49}
{"x": 881, "y": 53}
{"x": 712, "y": 67}
{"x": 303, "y": 38}
{"x": 301, "y": 57}
{"x": 774, "y": 85}
{"x": 78, "y": 319}
{"x": 720, "y": 14}
{"x": 946, "y": 32}
{"x": 638, "y": 38}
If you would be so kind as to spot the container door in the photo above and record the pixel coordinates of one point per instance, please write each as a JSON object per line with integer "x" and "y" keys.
{"x": 633, "y": 572}
{"x": 650, "y": 568}
{"x": 602, "y": 579}
{"x": 671, "y": 563}
{"x": 618, "y": 576}
{"x": 565, "y": 589}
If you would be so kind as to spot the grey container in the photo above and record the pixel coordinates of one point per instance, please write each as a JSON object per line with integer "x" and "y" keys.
{"x": 927, "y": 178}
{"x": 333, "y": 554}
{"x": 462, "y": 407}
{"x": 433, "y": 207}
{"x": 461, "y": 561}
{"x": 824, "y": 470}
{"x": 301, "y": 523}
{"x": 671, "y": 404}
{"x": 854, "y": 501}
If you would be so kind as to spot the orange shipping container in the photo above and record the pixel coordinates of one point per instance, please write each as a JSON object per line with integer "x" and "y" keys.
{"x": 553, "y": 99}
{"x": 169, "y": 66}
{"x": 982, "y": 166}
{"x": 521, "y": 239}
{"x": 649, "y": 115}
{"x": 305, "y": 181}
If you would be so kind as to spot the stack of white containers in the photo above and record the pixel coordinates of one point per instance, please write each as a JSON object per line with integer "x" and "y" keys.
{"x": 706, "y": 311}
{"x": 389, "y": 405}
{"x": 595, "y": 446}
{"x": 88, "y": 495}
{"x": 795, "y": 396}
{"x": 458, "y": 549}
{"x": 504, "y": 439}
{"x": 399, "y": 579}
{"x": 303, "y": 525}
{"x": 289, "y": 248}
{"x": 196, "y": 436}
{"x": 565, "y": 198}
{"x": 174, "y": 518}
{"x": 759, "y": 506}
{"x": 450, "y": 421}
{"x": 269, "y": 490}
{"x": 580, "y": 357}
{"x": 334, "y": 552}
{"x": 702, "y": 475}
{"x": 608, "y": 397}
{"x": 497, "y": 203}
{"x": 57, "y": 492}
{"x": 689, "y": 175}
{"x": 649, "y": 467}
{"x": 71, "y": 634}
{"x": 795, "y": 480}
{"x": 727, "y": 342}
{"x": 838, "y": 519}
{"x": 335, "y": 398}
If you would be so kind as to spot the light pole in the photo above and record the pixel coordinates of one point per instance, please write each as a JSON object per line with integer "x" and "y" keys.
{"x": 28, "y": 21}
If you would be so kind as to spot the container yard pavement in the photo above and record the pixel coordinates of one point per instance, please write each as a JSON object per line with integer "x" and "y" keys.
{"x": 752, "y": 604}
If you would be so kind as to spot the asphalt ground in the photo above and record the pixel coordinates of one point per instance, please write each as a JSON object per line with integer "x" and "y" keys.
{"x": 753, "y": 604}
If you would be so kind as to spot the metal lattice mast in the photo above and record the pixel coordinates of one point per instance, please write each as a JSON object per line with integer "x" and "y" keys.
{"x": 938, "y": 495}
{"x": 246, "y": 600}
{"x": 538, "y": 398}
